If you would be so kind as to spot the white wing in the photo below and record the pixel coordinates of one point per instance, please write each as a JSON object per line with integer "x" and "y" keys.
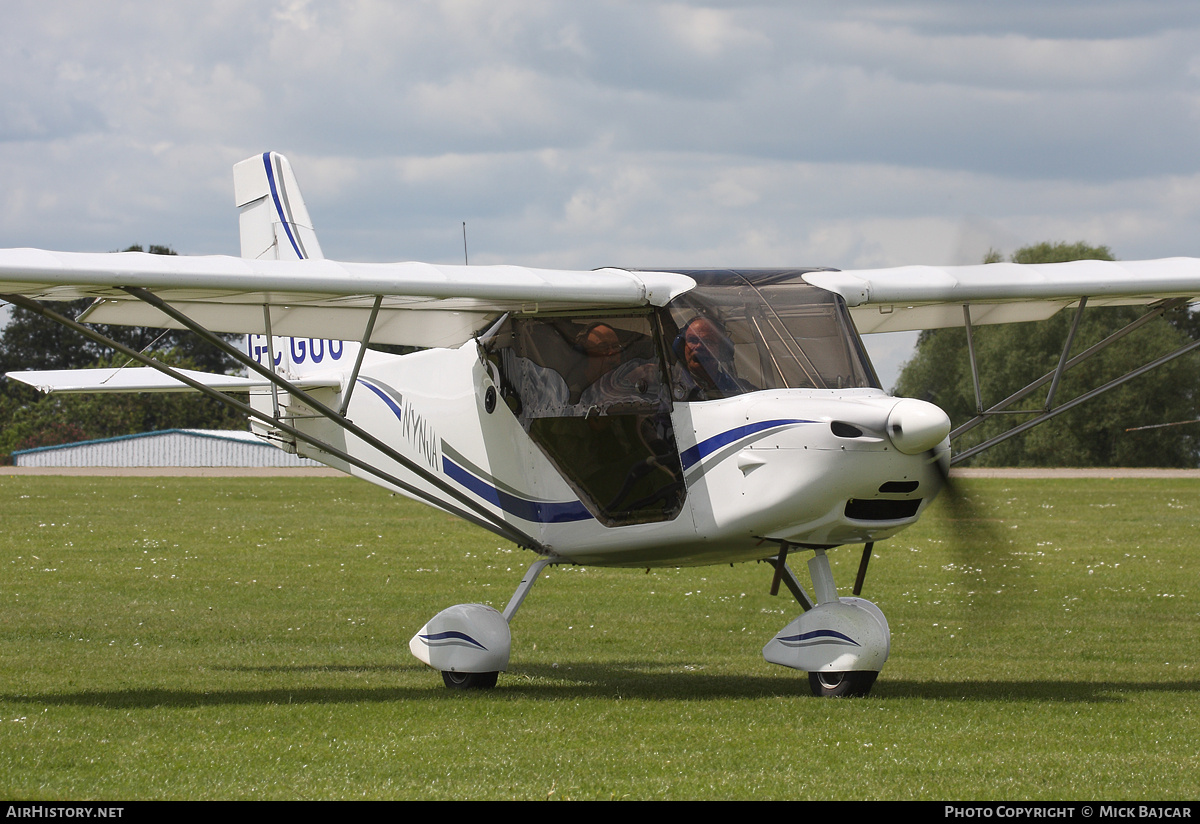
{"x": 422, "y": 304}
{"x": 442, "y": 305}
{"x": 930, "y": 297}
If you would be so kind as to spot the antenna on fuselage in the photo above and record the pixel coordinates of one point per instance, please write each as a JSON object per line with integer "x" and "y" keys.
{"x": 465, "y": 261}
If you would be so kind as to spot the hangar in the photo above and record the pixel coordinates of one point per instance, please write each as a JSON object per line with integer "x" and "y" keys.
{"x": 168, "y": 447}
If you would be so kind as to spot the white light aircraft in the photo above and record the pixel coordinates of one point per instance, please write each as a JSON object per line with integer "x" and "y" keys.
{"x": 614, "y": 417}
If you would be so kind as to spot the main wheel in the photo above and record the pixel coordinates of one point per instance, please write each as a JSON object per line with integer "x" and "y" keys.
{"x": 469, "y": 680}
{"x": 854, "y": 684}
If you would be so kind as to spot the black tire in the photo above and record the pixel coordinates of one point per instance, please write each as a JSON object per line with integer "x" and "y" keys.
{"x": 469, "y": 680}
{"x": 856, "y": 684}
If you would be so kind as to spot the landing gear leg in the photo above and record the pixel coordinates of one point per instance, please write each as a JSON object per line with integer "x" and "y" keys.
{"x": 470, "y": 643}
{"x": 784, "y": 575}
{"x": 518, "y": 597}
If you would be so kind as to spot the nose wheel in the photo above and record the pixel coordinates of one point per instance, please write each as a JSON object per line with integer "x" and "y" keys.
{"x": 840, "y": 642}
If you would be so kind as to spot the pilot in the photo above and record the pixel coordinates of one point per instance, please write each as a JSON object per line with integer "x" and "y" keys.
{"x": 705, "y": 352}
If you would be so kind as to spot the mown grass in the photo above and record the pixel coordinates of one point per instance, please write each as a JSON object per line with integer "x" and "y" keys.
{"x": 247, "y": 638}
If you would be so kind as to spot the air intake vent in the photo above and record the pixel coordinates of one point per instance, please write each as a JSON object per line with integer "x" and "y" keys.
{"x": 881, "y": 509}
{"x": 845, "y": 430}
{"x": 899, "y": 486}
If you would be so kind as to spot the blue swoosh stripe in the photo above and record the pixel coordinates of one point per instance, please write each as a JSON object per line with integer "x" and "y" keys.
{"x": 441, "y": 637}
{"x": 384, "y": 396}
{"x": 707, "y": 446}
{"x": 819, "y": 636}
{"x": 546, "y": 512}
{"x": 283, "y": 216}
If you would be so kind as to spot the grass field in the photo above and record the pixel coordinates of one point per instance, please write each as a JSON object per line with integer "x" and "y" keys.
{"x": 234, "y": 638}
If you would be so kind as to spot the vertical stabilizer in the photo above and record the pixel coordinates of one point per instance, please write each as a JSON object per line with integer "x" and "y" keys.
{"x": 272, "y": 217}
{"x": 275, "y": 225}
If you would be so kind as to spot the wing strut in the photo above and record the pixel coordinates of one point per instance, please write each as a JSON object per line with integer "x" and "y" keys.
{"x": 1045, "y": 412}
{"x": 345, "y": 423}
{"x": 1062, "y": 359}
{"x": 478, "y": 514}
{"x": 362, "y": 350}
{"x": 1087, "y": 396}
{"x": 971, "y": 355}
{"x": 271, "y": 356}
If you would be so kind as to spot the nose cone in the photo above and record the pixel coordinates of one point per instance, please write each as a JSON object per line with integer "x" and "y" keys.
{"x": 916, "y": 426}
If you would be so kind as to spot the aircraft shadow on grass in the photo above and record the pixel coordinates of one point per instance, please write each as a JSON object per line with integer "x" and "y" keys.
{"x": 638, "y": 680}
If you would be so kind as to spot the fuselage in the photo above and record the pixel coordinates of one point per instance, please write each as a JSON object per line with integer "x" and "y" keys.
{"x": 607, "y": 445}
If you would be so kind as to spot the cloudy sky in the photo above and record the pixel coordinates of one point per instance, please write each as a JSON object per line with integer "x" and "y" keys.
{"x": 584, "y": 134}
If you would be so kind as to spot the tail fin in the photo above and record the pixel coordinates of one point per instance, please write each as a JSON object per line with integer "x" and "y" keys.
{"x": 275, "y": 225}
{"x": 273, "y": 219}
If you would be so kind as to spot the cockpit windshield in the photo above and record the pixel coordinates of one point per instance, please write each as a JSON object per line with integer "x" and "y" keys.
{"x": 739, "y": 331}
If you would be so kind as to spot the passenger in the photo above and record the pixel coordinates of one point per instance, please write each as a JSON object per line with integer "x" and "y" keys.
{"x": 611, "y": 382}
{"x": 602, "y": 347}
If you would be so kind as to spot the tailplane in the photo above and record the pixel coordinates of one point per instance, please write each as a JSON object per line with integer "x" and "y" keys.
{"x": 273, "y": 219}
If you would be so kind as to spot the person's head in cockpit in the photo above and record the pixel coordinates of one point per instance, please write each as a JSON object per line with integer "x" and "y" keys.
{"x": 706, "y": 352}
{"x": 603, "y": 349}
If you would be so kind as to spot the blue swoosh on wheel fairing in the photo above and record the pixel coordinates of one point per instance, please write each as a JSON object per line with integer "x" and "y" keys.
{"x": 451, "y": 638}
{"x": 820, "y": 636}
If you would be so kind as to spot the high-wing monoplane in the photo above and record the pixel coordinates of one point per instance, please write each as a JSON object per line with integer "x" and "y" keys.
{"x": 613, "y": 417}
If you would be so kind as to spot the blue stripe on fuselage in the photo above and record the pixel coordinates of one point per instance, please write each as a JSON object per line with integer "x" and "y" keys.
{"x": 706, "y": 447}
{"x": 546, "y": 512}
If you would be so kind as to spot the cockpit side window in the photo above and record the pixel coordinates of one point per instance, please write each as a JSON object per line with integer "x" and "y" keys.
{"x": 591, "y": 392}
{"x": 580, "y": 366}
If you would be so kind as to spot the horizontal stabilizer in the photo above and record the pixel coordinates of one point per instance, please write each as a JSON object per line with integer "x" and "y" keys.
{"x": 145, "y": 379}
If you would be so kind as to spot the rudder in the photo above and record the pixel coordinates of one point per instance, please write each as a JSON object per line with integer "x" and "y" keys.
{"x": 272, "y": 218}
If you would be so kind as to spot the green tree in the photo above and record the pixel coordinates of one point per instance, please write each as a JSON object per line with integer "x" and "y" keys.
{"x": 29, "y": 419}
{"x": 1093, "y": 434}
